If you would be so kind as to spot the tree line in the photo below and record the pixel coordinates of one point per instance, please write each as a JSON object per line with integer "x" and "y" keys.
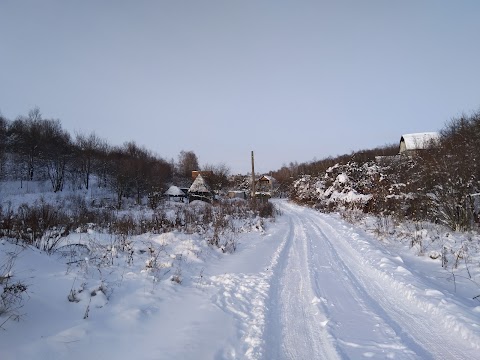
{"x": 33, "y": 148}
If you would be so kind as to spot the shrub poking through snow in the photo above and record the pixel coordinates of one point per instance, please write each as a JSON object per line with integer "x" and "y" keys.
{"x": 94, "y": 242}
{"x": 177, "y": 276}
{"x": 46, "y": 225}
{"x": 12, "y": 291}
{"x": 440, "y": 184}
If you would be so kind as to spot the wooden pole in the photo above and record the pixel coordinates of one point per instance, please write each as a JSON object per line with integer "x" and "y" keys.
{"x": 253, "y": 177}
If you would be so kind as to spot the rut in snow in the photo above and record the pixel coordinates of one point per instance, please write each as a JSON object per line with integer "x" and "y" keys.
{"x": 328, "y": 301}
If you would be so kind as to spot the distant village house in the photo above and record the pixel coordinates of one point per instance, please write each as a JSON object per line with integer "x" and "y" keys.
{"x": 411, "y": 143}
{"x": 200, "y": 190}
{"x": 175, "y": 193}
{"x": 265, "y": 186}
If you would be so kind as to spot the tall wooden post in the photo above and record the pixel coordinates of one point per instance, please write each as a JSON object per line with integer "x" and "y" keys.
{"x": 253, "y": 177}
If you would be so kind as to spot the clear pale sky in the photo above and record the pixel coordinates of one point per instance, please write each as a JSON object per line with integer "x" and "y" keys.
{"x": 291, "y": 80}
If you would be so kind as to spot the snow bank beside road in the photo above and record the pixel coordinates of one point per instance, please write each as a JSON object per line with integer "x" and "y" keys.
{"x": 309, "y": 285}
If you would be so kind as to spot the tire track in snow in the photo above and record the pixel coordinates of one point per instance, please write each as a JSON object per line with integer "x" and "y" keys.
{"x": 380, "y": 335}
{"x": 326, "y": 313}
{"x": 296, "y": 328}
{"x": 324, "y": 297}
{"x": 421, "y": 325}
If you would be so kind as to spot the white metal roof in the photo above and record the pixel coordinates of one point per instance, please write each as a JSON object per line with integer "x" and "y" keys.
{"x": 417, "y": 141}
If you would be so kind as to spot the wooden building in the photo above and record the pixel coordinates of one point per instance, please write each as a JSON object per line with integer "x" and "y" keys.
{"x": 200, "y": 190}
{"x": 265, "y": 186}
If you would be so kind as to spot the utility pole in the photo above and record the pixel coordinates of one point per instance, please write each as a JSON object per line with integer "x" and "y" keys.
{"x": 253, "y": 177}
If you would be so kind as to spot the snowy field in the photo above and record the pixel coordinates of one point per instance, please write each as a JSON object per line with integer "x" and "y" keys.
{"x": 305, "y": 286}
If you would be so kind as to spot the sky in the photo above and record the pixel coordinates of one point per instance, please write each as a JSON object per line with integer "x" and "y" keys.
{"x": 289, "y": 80}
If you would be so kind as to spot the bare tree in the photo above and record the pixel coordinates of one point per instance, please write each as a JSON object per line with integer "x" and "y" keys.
{"x": 187, "y": 162}
{"x": 216, "y": 176}
{"x": 40, "y": 146}
{"x": 117, "y": 170}
{"x": 88, "y": 152}
{"x": 138, "y": 167}
{"x": 25, "y": 140}
{"x": 3, "y": 142}
{"x": 148, "y": 173}
{"x": 134, "y": 171}
{"x": 56, "y": 152}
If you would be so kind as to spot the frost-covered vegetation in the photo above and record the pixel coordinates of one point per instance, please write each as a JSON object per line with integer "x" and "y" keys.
{"x": 73, "y": 229}
{"x": 426, "y": 201}
{"x": 440, "y": 184}
{"x": 95, "y": 206}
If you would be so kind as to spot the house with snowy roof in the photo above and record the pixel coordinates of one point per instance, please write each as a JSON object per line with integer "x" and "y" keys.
{"x": 175, "y": 193}
{"x": 200, "y": 190}
{"x": 265, "y": 186}
{"x": 411, "y": 143}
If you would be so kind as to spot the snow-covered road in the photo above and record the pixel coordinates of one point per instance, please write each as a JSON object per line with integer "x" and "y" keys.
{"x": 333, "y": 292}
{"x": 340, "y": 296}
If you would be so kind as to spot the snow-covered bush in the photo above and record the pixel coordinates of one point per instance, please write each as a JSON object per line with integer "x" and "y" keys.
{"x": 12, "y": 291}
{"x": 438, "y": 184}
{"x": 341, "y": 187}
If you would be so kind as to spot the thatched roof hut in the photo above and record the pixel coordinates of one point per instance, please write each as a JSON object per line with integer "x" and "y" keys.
{"x": 200, "y": 190}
